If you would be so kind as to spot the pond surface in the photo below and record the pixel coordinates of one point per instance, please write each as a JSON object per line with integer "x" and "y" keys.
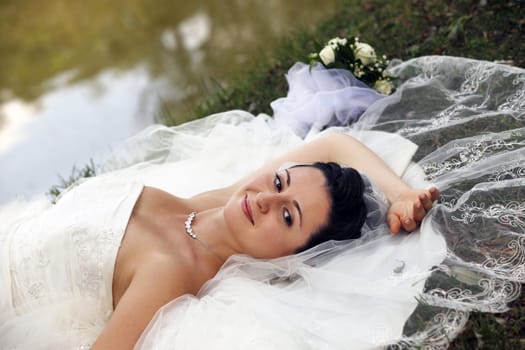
{"x": 77, "y": 78}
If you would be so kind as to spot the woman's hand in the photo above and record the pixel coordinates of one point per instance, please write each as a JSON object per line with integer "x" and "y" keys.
{"x": 409, "y": 208}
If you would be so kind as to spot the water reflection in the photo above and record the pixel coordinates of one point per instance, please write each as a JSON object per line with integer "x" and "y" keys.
{"x": 68, "y": 126}
{"x": 78, "y": 77}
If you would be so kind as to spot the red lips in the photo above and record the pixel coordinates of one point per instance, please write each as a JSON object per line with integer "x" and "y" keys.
{"x": 246, "y": 209}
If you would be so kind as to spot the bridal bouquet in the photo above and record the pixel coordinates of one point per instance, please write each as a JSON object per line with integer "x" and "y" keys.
{"x": 358, "y": 57}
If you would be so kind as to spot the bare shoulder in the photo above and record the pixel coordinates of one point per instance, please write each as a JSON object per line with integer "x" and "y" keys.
{"x": 155, "y": 198}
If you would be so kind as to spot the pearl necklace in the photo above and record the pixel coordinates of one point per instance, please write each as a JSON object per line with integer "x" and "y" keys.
{"x": 189, "y": 231}
{"x": 187, "y": 224}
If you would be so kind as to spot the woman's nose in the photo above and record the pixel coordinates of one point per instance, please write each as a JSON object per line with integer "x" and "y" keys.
{"x": 264, "y": 201}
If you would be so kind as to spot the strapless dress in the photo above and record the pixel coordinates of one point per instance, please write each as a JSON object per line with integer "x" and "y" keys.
{"x": 57, "y": 263}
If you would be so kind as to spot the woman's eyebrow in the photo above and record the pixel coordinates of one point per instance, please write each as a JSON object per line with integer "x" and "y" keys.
{"x": 287, "y": 177}
{"x": 288, "y": 181}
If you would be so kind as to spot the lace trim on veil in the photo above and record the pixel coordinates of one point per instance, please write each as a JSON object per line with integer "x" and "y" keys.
{"x": 467, "y": 118}
{"x": 482, "y": 179}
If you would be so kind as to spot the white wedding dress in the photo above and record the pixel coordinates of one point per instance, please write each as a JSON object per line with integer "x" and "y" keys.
{"x": 459, "y": 121}
{"x": 56, "y": 265}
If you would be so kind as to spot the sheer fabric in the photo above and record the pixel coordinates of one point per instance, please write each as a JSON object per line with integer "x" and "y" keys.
{"x": 306, "y": 301}
{"x": 318, "y": 97}
{"x": 467, "y": 118}
{"x": 453, "y": 122}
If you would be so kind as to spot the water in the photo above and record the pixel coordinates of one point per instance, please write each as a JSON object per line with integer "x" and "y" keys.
{"x": 77, "y": 78}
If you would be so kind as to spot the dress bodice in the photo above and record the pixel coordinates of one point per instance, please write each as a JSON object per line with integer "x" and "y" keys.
{"x": 62, "y": 259}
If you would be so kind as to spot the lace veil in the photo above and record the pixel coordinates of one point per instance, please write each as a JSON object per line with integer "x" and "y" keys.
{"x": 468, "y": 118}
{"x": 454, "y": 122}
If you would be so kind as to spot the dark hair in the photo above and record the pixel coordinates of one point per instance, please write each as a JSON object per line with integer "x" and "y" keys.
{"x": 347, "y": 208}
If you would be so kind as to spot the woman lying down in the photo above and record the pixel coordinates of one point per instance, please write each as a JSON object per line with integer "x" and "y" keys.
{"x": 94, "y": 269}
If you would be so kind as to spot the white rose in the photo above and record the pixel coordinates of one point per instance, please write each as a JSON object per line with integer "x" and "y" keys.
{"x": 365, "y": 53}
{"x": 327, "y": 55}
{"x": 383, "y": 86}
{"x": 335, "y": 42}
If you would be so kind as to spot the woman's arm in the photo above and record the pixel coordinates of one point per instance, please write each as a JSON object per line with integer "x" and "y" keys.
{"x": 408, "y": 206}
{"x": 152, "y": 287}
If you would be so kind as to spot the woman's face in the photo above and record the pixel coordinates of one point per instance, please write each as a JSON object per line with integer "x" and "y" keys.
{"x": 276, "y": 213}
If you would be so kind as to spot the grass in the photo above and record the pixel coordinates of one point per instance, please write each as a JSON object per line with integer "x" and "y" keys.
{"x": 88, "y": 170}
{"x": 495, "y": 331}
{"x": 487, "y": 30}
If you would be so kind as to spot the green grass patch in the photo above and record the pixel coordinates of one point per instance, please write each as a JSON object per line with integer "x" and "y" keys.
{"x": 487, "y": 30}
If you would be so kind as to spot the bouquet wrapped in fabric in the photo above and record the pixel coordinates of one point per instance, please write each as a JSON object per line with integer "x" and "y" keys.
{"x": 359, "y": 58}
{"x": 342, "y": 80}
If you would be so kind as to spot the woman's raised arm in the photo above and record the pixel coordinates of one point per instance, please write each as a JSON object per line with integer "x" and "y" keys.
{"x": 407, "y": 206}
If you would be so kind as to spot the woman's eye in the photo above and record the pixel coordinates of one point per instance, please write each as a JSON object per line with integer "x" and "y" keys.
{"x": 277, "y": 183}
{"x": 287, "y": 218}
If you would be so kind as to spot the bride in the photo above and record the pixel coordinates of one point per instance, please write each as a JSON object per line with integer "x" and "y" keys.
{"x": 114, "y": 240}
{"x": 272, "y": 213}
{"x": 171, "y": 246}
